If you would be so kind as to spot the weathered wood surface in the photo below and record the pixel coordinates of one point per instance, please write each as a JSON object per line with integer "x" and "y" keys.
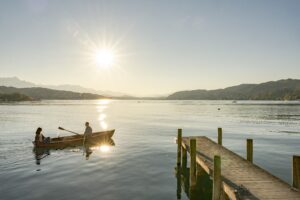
{"x": 193, "y": 167}
{"x": 241, "y": 179}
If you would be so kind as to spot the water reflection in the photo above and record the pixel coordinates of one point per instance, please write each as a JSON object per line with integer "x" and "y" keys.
{"x": 104, "y": 101}
{"x": 40, "y": 153}
{"x": 88, "y": 148}
{"x": 102, "y": 105}
{"x": 203, "y": 188}
{"x": 104, "y": 146}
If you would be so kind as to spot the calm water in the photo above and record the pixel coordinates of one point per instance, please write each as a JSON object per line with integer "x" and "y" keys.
{"x": 141, "y": 165}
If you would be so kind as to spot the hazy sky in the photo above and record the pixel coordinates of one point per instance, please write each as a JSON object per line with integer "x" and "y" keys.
{"x": 160, "y": 46}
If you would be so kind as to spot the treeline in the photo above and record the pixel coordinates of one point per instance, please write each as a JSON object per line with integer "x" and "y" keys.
{"x": 14, "y": 97}
{"x": 37, "y": 93}
{"x": 288, "y": 89}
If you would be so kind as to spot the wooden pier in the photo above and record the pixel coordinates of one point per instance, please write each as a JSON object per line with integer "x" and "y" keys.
{"x": 233, "y": 177}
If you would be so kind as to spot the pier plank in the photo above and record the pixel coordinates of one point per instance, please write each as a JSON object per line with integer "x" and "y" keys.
{"x": 241, "y": 178}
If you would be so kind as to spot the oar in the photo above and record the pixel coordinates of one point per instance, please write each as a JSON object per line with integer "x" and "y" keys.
{"x": 61, "y": 128}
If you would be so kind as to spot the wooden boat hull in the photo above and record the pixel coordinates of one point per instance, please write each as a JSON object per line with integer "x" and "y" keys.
{"x": 76, "y": 140}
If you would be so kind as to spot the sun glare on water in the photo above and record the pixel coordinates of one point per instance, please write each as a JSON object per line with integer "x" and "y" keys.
{"x": 102, "y": 148}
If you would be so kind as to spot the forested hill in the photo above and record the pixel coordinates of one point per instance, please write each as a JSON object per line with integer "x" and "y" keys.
{"x": 288, "y": 89}
{"x": 37, "y": 93}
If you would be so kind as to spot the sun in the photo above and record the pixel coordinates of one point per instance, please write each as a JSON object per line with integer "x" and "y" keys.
{"x": 104, "y": 57}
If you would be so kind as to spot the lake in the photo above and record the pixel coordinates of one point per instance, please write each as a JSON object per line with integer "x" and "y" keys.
{"x": 141, "y": 164}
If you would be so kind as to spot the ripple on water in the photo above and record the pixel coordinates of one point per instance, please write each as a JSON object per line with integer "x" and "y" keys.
{"x": 141, "y": 165}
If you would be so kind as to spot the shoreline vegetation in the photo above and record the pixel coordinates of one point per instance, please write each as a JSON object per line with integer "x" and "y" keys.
{"x": 37, "y": 93}
{"x": 284, "y": 90}
{"x": 287, "y": 90}
{"x": 14, "y": 97}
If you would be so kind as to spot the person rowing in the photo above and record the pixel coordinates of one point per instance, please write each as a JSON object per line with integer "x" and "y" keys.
{"x": 39, "y": 137}
{"x": 88, "y": 131}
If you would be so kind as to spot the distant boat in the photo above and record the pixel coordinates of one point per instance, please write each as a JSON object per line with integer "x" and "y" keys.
{"x": 234, "y": 101}
{"x": 75, "y": 140}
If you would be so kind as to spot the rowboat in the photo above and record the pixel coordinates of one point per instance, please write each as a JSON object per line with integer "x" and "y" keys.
{"x": 76, "y": 140}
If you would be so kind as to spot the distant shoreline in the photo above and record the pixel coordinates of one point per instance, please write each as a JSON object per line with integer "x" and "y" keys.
{"x": 229, "y": 102}
{"x": 282, "y": 90}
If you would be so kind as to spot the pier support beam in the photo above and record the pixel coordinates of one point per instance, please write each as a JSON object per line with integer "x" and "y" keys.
{"x": 178, "y": 176}
{"x": 179, "y": 143}
{"x": 184, "y": 158}
{"x": 250, "y": 150}
{"x": 220, "y": 136}
{"x": 217, "y": 180}
{"x": 193, "y": 166}
{"x": 296, "y": 172}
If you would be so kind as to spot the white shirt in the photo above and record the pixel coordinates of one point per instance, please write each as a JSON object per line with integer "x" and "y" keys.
{"x": 88, "y": 131}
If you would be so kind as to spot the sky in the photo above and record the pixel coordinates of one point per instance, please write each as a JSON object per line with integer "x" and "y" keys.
{"x": 159, "y": 47}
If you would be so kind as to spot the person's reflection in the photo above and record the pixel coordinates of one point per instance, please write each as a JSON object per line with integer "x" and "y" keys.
{"x": 40, "y": 154}
{"x": 88, "y": 151}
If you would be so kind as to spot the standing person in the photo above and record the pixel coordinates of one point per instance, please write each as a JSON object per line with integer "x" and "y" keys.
{"x": 88, "y": 131}
{"x": 39, "y": 137}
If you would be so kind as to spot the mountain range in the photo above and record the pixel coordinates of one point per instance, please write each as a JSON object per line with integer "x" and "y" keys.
{"x": 38, "y": 93}
{"x": 286, "y": 89}
{"x": 18, "y": 83}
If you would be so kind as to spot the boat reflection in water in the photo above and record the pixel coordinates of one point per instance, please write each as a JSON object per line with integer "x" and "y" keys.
{"x": 203, "y": 188}
{"x": 40, "y": 153}
{"x": 88, "y": 148}
{"x": 103, "y": 146}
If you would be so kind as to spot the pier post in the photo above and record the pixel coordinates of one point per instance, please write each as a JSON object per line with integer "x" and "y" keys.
{"x": 296, "y": 172}
{"x": 217, "y": 180}
{"x": 179, "y": 143}
{"x": 178, "y": 176}
{"x": 220, "y": 136}
{"x": 250, "y": 150}
{"x": 184, "y": 158}
{"x": 193, "y": 162}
